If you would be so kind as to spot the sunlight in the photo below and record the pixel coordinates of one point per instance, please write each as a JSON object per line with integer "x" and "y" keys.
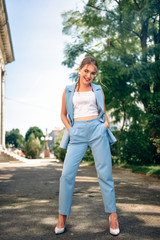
{"x": 86, "y": 179}
{"x": 141, "y": 211}
{"x": 6, "y": 176}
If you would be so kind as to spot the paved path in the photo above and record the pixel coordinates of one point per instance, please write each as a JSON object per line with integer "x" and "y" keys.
{"x": 29, "y": 204}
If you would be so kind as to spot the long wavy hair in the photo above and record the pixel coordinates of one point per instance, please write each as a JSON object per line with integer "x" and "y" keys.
{"x": 86, "y": 61}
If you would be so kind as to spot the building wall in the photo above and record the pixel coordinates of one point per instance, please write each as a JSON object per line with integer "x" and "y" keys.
{"x": 6, "y": 56}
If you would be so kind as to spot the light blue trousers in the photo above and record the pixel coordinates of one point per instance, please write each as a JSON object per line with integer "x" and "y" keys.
{"x": 86, "y": 134}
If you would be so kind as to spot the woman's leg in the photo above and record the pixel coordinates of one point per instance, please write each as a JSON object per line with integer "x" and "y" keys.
{"x": 102, "y": 156}
{"x": 61, "y": 221}
{"x": 114, "y": 221}
{"x": 74, "y": 155}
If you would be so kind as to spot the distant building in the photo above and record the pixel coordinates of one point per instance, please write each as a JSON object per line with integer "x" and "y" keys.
{"x": 6, "y": 56}
{"x": 53, "y": 134}
{"x": 51, "y": 143}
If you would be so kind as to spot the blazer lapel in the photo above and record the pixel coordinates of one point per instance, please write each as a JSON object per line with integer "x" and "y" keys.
{"x": 99, "y": 97}
{"x": 69, "y": 101}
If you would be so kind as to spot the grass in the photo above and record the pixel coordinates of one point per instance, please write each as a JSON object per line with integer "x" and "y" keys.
{"x": 151, "y": 170}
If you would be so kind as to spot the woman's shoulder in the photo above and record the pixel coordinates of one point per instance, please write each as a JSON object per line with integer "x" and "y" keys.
{"x": 96, "y": 86}
{"x": 70, "y": 87}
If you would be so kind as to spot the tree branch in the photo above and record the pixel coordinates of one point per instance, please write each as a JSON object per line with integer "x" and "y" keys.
{"x": 97, "y": 8}
{"x": 137, "y": 34}
{"x": 117, "y": 1}
{"x": 124, "y": 117}
{"x": 138, "y": 8}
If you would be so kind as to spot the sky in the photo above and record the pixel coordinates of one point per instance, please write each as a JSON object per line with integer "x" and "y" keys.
{"x": 36, "y": 79}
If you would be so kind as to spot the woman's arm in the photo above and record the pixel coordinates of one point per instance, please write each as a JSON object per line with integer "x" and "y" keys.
{"x": 105, "y": 116}
{"x": 64, "y": 112}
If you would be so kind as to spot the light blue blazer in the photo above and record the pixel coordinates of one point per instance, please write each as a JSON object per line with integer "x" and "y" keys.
{"x": 69, "y": 92}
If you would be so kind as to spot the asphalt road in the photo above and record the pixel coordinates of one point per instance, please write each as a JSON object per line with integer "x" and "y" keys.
{"x": 29, "y": 204}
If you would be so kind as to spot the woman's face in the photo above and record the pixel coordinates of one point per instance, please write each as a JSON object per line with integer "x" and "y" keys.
{"x": 87, "y": 73}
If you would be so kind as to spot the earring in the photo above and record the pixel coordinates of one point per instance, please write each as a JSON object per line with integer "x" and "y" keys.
{"x": 79, "y": 73}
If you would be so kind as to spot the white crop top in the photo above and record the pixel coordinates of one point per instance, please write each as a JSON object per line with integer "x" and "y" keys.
{"x": 84, "y": 104}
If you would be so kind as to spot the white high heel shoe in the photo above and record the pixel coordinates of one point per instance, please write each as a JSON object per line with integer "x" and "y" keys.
{"x": 114, "y": 232}
{"x": 59, "y": 230}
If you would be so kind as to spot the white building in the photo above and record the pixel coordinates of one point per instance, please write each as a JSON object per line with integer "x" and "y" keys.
{"x": 6, "y": 56}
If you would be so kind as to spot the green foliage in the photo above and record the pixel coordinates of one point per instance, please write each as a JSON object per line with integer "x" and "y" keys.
{"x": 88, "y": 157}
{"x": 125, "y": 39}
{"x": 135, "y": 146}
{"x": 148, "y": 170}
{"x": 59, "y": 152}
{"x": 36, "y": 131}
{"x": 15, "y": 138}
{"x": 32, "y": 147}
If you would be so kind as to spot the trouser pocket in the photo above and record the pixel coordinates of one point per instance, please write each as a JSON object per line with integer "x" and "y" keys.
{"x": 103, "y": 129}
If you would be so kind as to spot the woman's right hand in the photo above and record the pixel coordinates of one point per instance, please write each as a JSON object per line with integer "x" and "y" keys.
{"x": 64, "y": 113}
{"x": 69, "y": 128}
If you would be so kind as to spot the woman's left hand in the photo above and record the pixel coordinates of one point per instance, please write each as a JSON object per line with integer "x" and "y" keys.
{"x": 106, "y": 123}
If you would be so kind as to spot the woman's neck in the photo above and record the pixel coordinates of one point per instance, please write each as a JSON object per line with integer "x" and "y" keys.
{"x": 84, "y": 87}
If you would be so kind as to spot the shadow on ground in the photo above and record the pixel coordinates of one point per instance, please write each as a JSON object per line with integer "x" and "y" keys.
{"x": 29, "y": 204}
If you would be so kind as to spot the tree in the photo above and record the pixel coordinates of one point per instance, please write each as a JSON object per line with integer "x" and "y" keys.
{"x": 32, "y": 147}
{"x": 125, "y": 39}
{"x": 15, "y": 138}
{"x": 59, "y": 152}
{"x": 36, "y": 131}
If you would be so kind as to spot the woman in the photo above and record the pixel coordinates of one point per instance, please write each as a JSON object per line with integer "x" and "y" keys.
{"x": 83, "y": 114}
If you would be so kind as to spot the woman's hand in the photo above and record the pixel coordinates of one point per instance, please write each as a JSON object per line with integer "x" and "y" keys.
{"x": 64, "y": 112}
{"x": 106, "y": 123}
{"x": 105, "y": 115}
{"x": 69, "y": 128}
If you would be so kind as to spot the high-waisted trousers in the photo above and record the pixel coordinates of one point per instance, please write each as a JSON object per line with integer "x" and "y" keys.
{"x": 84, "y": 134}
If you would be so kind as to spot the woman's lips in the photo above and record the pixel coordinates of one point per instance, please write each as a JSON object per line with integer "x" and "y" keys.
{"x": 87, "y": 80}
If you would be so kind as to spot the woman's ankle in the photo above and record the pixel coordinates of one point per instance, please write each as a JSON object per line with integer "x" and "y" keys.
{"x": 114, "y": 220}
{"x": 113, "y": 214}
{"x": 61, "y": 221}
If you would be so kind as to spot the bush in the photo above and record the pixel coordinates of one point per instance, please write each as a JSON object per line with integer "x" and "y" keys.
{"x": 32, "y": 148}
{"x": 14, "y": 138}
{"x": 135, "y": 146}
{"x": 88, "y": 157}
{"x": 59, "y": 152}
{"x": 36, "y": 131}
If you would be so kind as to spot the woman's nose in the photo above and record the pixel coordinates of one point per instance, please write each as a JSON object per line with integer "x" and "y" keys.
{"x": 89, "y": 75}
